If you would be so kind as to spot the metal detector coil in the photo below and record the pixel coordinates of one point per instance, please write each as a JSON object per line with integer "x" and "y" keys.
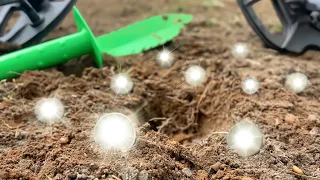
{"x": 37, "y": 18}
{"x": 300, "y": 20}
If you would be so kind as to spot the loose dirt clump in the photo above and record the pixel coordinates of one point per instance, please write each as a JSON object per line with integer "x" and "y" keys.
{"x": 182, "y": 130}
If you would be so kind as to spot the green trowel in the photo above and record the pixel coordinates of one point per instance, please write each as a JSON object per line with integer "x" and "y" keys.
{"x": 132, "y": 39}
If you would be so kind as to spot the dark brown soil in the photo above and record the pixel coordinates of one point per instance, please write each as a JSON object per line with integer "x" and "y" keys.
{"x": 178, "y": 136}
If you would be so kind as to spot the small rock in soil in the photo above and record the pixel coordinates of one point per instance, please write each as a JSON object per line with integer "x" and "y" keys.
{"x": 312, "y": 118}
{"x": 315, "y": 131}
{"x": 143, "y": 175}
{"x": 223, "y": 166}
{"x": 82, "y": 177}
{"x": 58, "y": 177}
{"x": 226, "y": 178}
{"x": 64, "y": 140}
{"x": 187, "y": 172}
{"x": 214, "y": 168}
{"x": 85, "y": 171}
{"x": 20, "y": 135}
{"x": 292, "y": 119}
{"x": 91, "y": 178}
{"x": 297, "y": 170}
{"x": 3, "y": 105}
{"x": 93, "y": 166}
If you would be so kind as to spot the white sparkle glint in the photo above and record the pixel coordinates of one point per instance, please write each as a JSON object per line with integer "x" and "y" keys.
{"x": 165, "y": 58}
{"x": 245, "y": 138}
{"x": 49, "y": 110}
{"x": 115, "y": 131}
{"x": 250, "y": 85}
{"x": 121, "y": 84}
{"x": 195, "y": 75}
{"x": 296, "y": 82}
{"x": 240, "y": 50}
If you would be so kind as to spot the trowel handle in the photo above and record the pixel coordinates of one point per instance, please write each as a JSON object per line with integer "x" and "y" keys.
{"x": 45, "y": 55}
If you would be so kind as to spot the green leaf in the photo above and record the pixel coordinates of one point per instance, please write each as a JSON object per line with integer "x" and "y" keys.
{"x": 143, "y": 35}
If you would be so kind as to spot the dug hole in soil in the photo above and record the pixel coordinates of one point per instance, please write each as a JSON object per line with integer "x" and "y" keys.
{"x": 179, "y": 125}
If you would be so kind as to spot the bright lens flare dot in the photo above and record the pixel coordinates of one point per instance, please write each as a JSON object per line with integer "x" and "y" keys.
{"x": 49, "y": 110}
{"x": 240, "y": 50}
{"x": 245, "y": 138}
{"x": 165, "y": 58}
{"x": 115, "y": 131}
{"x": 250, "y": 85}
{"x": 296, "y": 82}
{"x": 240, "y": 142}
{"x": 121, "y": 84}
{"x": 195, "y": 75}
